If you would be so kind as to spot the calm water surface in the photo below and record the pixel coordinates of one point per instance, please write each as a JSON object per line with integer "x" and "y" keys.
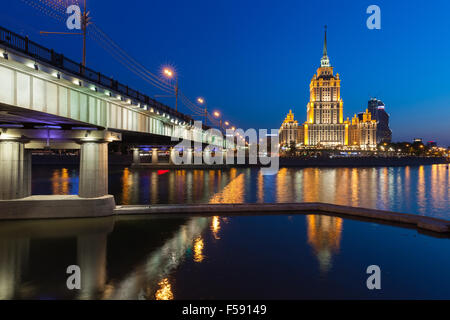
{"x": 423, "y": 190}
{"x": 265, "y": 257}
{"x": 258, "y": 257}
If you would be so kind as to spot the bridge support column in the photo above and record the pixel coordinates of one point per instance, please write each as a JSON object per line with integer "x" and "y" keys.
{"x": 189, "y": 155}
{"x": 224, "y": 155}
{"x": 15, "y": 170}
{"x": 154, "y": 155}
{"x": 136, "y": 156}
{"x": 207, "y": 156}
{"x": 172, "y": 155}
{"x": 93, "y": 169}
{"x": 91, "y": 257}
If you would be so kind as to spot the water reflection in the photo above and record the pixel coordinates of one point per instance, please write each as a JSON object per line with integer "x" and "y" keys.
{"x": 165, "y": 290}
{"x": 198, "y": 249}
{"x": 13, "y": 260}
{"x": 215, "y": 227}
{"x": 63, "y": 181}
{"x": 324, "y": 236}
{"x": 171, "y": 258}
{"x": 153, "y": 274}
{"x": 233, "y": 192}
{"x": 420, "y": 190}
{"x": 34, "y": 256}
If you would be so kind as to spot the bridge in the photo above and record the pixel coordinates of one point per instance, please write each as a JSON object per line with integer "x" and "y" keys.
{"x": 48, "y": 101}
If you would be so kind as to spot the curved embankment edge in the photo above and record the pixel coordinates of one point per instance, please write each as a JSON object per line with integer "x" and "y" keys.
{"x": 55, "y": 207}
{"x": 421, "y": 222}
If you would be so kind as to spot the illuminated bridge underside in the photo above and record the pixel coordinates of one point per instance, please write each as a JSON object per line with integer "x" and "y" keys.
{"x": 30, "y": 118}
{"x": 33, "y": 119}
{"x": 38, "y": 96}
{"x": 44, "y": 107}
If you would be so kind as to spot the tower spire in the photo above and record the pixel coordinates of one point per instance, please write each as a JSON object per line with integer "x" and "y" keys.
{"x": 325, "y": 62}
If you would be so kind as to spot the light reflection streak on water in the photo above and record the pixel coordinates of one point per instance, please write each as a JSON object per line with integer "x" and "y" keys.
{"x": 324, "y": 236}
{"x": 161, "y": 262}
{"x": 421, "y": 190}
{"x": 232, "y": 193}
{"x": 60, "y": 181}
{"x": 260, "y": 183}
{"x": 215, "y": 227}
{"x": 126, "y": 182}
{"x": 418, "y": 190}
{"x": 198, "y": 249}
{"x": 165, "y": 290}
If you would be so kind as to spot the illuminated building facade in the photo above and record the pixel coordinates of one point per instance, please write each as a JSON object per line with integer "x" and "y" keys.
{"x": 290, "y": 132}
{"x": 325, "y": 125}
{"x": 363, "y": 131}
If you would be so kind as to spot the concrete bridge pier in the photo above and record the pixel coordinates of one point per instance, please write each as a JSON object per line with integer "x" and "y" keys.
{"x": 189, "y": 155}
{"x": 172, "y": 155}
{"x": 93, "y": 169}
{"x": 15, "y": 169}
{"x": 91, "y": 258}
{"x": 154, "y": 155}
{"x": 136, "y": 156}
{"x": 224, "y": 156}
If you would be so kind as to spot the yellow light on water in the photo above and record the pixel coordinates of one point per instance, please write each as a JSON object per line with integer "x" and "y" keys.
{"x": 215, "y": 226}
{"x": 165, "y": 290}
{"x": 198, "y": 249}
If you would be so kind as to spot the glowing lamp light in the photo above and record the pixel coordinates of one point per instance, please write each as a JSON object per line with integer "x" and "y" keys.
{"x": 216, "y": 114}
{"x": 201, "y": 100}
{"x": 227, "y": 123}
{"x": 168, "y": 73}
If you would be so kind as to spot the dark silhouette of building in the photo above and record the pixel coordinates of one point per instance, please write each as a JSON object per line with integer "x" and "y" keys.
{"x": 377, "y": 109}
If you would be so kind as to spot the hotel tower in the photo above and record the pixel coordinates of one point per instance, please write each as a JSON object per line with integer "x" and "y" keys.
{"x": 325, "y": 125}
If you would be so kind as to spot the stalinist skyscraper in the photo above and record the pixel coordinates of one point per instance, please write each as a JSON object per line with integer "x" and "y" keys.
{"x": 325, "y": 110}
{"x": 325, "y": 126}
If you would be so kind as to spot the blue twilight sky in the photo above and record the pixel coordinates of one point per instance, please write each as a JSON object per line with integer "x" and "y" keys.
{"x": 253, "y": 60}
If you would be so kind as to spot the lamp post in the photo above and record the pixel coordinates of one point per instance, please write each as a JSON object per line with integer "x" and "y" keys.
{"x": 85, "y": 22}
{"x": 217, "y": 115}
{"x": 170, "y": 74}
{"x": 202, "y": 101}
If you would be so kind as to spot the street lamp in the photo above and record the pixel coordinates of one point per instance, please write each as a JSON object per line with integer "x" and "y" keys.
{"x": 170, "y": 74}
{"x": 217, "y": 115}
{"x": 202, "y": 101}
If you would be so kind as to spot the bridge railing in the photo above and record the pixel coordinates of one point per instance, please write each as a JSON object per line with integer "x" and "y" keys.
{"x": 38, "y": 52}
